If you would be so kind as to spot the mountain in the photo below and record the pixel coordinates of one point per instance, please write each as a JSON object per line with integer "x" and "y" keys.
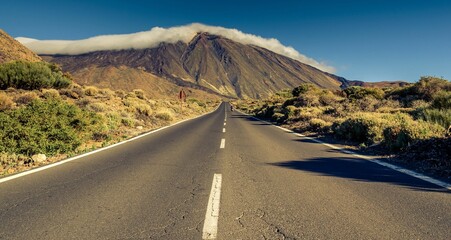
{"x": 10, "y": 49}
{"x": 208, "y": 62}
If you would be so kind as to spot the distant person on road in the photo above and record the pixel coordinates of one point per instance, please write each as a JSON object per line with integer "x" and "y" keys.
{"x": 231, "y": 108}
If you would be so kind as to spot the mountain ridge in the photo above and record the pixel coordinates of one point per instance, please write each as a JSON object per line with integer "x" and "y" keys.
{"x": 209, "y": 62}
{"x": 11, "y": 49}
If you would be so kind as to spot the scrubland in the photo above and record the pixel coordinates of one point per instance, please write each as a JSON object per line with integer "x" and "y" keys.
{"x": 410, "y": 124}
{"x": 59, "y": 118}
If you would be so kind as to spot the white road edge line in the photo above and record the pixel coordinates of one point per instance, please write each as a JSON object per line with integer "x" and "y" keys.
{"x": 371, "y": 159}
{"x": 210, "y": 230}
{"x": 222, "y": 143}
{"x": 223, "y": 130}
{"x": 38, "y": 169}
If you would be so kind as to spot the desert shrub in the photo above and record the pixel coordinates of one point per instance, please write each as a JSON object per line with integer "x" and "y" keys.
{"x": 387, "y": 104}
{"x": 362, "y": 128}
{"x": 49, "y": 127}
{"x": 308, "y": 100}
{"x": 406, "y": 131}
{"x": 357, "y": 92}
{"x": 198, "y": 102}
{"x": 73, "y": 91}
{"x": 367, "y": 103}
{"x": 26, "y": 98}
{"x": 6, "y": 103}
{"x": 438, "y": 116}
{"x": 428, "y": 86}
{"x": 302, "y": 89}
{"x": 442, "y": 100}
{"x": 306, "y": 113}
{"x": 32, "y": 75}
{"x": 278, "y": 117}
{"x": 419, "y": 104}
{"x": 290, "y": 111}
{"x": 107, "y": 93}
{"x": 319, "y": 125}
{"x": 91, "y": 91}
{"x": 121, "y": 94}
{"x": 50, "y": 93}
{"x": 128, "y": 122}
{"x": 164, "y": 115}
{"x": 266, "y": 111}
{"x": 143, "y": 109}
{"x": 97, "y": 107}
{"x": 139, "y": 93}
{"x": 327, "y": 98}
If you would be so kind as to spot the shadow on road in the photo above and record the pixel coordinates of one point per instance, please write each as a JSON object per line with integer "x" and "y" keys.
{"x": 359, "y": 170}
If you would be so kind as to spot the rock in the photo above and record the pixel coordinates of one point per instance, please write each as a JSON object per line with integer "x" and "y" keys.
{"x": 39, "y": 158}
{"x": 139, "y": 127}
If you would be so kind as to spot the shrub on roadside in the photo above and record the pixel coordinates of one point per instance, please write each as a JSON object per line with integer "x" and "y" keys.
{"x": 26, "y": 98}
{"x": 362, "y": 128}
{"x": 164, "y": 115}
{"x": 91, "y": 91}
{"x": 32, "y": 75}
{"x": 407, "y": 131}
{"x": 49, "y": 127}
{"x": 6, "y": 103}
{"x": 438, "y": 116}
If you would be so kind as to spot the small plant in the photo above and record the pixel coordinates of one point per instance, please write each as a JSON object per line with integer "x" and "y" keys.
{"x": 27, "y": 98}
{"x": 32, "y": 75}
{"x": 139, "y": 93}
{"x": 6, "y": 103}
{"x": 91, "y": 91}
{"x": 164, "y": 115}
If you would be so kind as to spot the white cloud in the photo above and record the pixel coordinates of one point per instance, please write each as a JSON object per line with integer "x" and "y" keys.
{"x": 156, "y": 35}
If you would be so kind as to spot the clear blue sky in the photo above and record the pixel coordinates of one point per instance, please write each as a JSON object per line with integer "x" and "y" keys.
{"x": 370, "y": 40}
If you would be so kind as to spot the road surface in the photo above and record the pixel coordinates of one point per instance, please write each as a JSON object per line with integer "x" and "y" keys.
{"x": 272, "y": 185}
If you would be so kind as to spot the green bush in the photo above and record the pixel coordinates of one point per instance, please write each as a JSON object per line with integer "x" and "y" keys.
{"x": 32, "y": 75}
{"x": 362, "y": 128}
{"x": 6, "y": 103}
{"x": 289, "y": 111}
{"x": 357, "y": 92}
{"x": 438, "y": 116}
{"x": 407, "y": 131}
{"x": 303, "y": 88}
{"x": 278, "y": 117}
{"x": 49, "y": 127}
{"x": 166, "y": 116}
{"x": 442, "y": 100}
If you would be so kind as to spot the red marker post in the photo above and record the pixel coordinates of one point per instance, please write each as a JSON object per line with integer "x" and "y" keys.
{"x": 182, "y": 98}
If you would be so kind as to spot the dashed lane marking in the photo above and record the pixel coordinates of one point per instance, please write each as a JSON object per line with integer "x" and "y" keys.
{"x": 210, "y": 230}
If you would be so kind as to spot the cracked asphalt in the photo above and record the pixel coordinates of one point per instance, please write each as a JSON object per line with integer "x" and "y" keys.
{"x": 275, "y": 185}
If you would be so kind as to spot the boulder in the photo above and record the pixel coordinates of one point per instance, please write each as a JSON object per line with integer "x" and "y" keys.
{"x": 39, "y": 158}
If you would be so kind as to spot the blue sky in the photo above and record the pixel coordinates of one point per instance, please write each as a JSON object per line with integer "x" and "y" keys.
{"x": 371, "y": 40}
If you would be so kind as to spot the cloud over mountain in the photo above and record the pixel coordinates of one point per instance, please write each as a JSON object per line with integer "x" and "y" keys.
{"x": 152, "y": 38}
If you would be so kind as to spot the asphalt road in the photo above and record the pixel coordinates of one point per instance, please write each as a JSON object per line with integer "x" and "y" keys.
{"x": 275, "y": 185}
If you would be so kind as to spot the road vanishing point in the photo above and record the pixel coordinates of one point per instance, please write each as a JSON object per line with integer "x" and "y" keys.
{"x": 224, "y": 175}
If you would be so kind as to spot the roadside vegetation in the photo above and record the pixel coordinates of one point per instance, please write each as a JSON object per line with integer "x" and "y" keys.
{"x": 388, "y": 121}
{"x": 42, "y": 112}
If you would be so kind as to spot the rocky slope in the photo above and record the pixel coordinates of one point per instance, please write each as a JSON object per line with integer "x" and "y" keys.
{"x": 210, "y": 63}
{"x": 10, "y": 49}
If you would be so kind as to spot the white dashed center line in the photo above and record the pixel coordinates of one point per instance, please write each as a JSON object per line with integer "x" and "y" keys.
{"x": 222, "y": 143}
{"x": 223, "y": 130}
{"x": 210, "y": 230}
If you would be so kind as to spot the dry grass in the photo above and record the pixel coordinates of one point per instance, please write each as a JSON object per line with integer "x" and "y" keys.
{"x": 123, "y": 115}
